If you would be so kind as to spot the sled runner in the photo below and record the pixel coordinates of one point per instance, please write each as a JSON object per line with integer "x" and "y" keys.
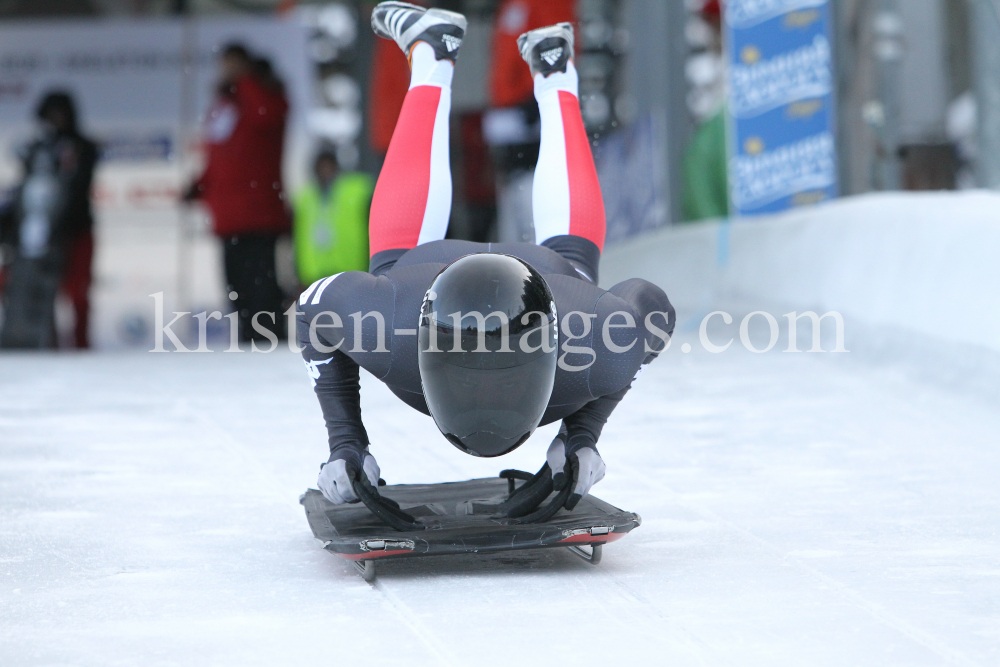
{"x": 479, "y": 516}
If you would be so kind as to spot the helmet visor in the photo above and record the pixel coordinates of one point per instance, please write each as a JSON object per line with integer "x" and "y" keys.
{"x": 486, "y": 411}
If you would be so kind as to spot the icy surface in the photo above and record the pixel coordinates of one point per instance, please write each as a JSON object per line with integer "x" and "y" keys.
{"x": 798, "y": 510}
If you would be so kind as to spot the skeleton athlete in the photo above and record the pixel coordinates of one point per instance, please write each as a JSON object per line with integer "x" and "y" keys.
{"x": 490, "y": 339}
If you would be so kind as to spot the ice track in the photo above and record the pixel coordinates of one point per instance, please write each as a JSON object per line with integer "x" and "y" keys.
{"x": 798, "y": 510}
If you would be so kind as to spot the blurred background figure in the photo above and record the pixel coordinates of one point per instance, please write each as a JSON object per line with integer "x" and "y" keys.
{"x": 962, "y": 127}
{"x": 512, "y": 125}
{"x": 331, "y": 220}
{"x": 706, "y": 187}
{"x": 242, "y": 185}
{"x": 49, "y": 230}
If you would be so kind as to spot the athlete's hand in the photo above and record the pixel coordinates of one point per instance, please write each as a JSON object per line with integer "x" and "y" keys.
{"x": 335, "y": 475}
{"x": 590, "y": 467}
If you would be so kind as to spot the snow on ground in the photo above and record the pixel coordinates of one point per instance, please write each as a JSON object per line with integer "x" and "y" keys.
{"x": 797, "y": 510}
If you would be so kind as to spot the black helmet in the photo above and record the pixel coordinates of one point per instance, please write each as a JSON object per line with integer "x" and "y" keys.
{"x": 487, "y": 357}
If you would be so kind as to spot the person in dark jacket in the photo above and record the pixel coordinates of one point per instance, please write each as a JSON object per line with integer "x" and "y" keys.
{"x": 242, "y": 188}
{"x": 50, "y": 230}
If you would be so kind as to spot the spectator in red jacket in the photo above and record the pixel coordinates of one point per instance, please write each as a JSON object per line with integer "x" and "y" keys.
{"x": 388, "y": 84}
{"x": 241, "y": 185}
{"x": 390, "y": 80}
{"x": 510, "y": 81}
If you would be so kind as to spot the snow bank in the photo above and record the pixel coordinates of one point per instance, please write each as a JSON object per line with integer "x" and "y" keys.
{"x": 925, "y": 263}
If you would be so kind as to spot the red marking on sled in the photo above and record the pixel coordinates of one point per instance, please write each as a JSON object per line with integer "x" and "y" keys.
{"x": 587, "y": 537}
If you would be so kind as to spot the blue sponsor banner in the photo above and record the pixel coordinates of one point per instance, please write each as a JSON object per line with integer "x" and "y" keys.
{"x": 782, "y": 147}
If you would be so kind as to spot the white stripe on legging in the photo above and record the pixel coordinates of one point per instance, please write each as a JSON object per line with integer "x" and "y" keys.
{"x": 550, "y": 190}
{"x": 429, "y": 71}
{"x": 438, "y": 209}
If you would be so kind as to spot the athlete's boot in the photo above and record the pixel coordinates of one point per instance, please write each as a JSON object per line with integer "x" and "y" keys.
{"x": 547, "y": 50}
{"x": 408, "y": 24}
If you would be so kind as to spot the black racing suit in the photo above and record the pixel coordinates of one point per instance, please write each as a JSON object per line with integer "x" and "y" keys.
{"x": 591, "y": 377}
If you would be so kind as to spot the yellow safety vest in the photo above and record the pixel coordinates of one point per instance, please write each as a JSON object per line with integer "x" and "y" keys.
{"x": 331, "y": 233}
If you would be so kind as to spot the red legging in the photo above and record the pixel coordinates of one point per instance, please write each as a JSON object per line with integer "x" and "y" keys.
{"x": 412, "y": 200}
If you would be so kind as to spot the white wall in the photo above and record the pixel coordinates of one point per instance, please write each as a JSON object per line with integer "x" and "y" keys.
{"x": 922, "y": 263}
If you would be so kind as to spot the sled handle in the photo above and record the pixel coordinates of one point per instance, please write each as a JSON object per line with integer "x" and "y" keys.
{"x": 523, "y": 503}
{"x": 385, "y": 509}
{"x": 511, "y": 475}
{"x": 545, "y": 513}
{"x": 529, "y": 495}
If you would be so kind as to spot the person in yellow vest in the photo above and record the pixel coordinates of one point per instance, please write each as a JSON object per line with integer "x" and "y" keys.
{"x": 331, "y": 221}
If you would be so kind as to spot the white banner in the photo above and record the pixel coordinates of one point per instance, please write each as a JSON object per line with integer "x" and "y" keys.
{"x": 142, "y": 88}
